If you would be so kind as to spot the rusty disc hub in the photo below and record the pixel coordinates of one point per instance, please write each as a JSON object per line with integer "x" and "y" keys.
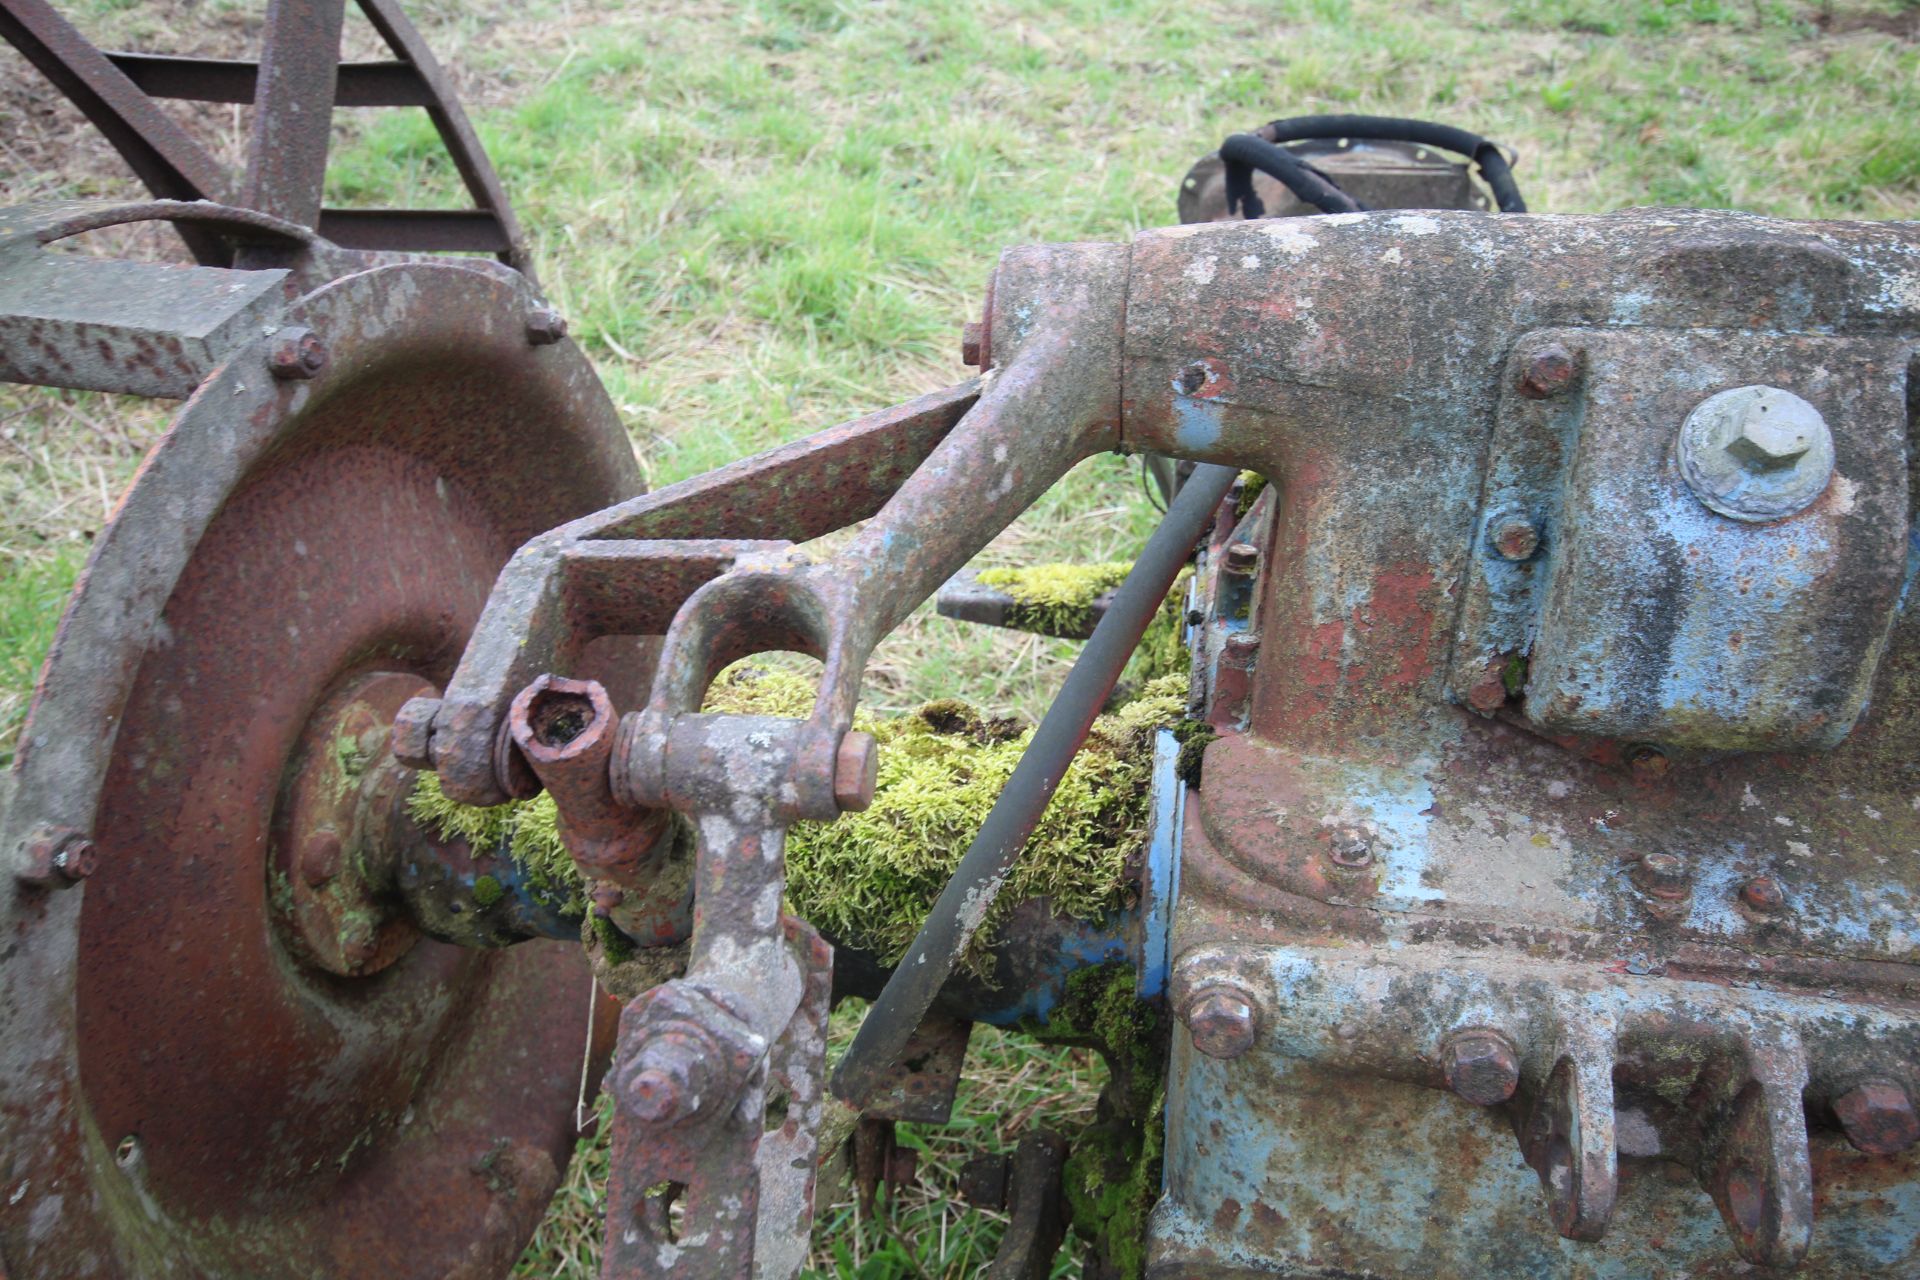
{"x": 331, "y": 869}
{"x": 228, "y": 1053}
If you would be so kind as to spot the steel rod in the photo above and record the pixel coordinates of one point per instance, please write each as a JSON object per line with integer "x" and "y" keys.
{"x": 970, "y": 894}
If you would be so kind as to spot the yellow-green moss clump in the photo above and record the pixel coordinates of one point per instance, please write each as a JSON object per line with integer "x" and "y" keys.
{"x": 1057, "y": 600}
{"x": 1252, "y": 485}
{"x": 868, "y": 879}
{"x": 529, "y": 830}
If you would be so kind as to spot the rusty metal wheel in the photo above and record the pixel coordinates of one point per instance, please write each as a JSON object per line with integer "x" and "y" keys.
{"x": 200, "y": 1075}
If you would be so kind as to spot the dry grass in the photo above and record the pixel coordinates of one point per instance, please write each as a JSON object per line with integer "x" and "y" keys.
{"x": 767, "y": 216}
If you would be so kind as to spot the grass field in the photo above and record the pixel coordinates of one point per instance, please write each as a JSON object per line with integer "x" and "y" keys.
{"x": 764, "y": 217}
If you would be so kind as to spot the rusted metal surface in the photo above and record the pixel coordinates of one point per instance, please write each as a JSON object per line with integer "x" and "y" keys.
{"x": 293, "y": 89}
{"x": 627, "y": 570}
{"x": 878, "y": 1160}
{"x": 922, "y": 1080}
{"x": 1606, "y": 826}
{"x": 1035, "y": 1204}
{"x": 161, "y": 153}
{"x": 292, "y": 123}
{"x": 143, "y": 328}
{"x": 706, "y": 1180}
{"x": 180, "y": 1090}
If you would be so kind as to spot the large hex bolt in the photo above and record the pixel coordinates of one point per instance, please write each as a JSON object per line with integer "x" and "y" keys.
{"x": 1663, "y": 876}
{"x": 297, "y": 354}
{"x": 1514, "y": 538}
{"x": 1547, "y": 372}
{"x": 545, "y": 326}
{"x": 412, "y": 726}
{"x": 1878, "y": 1117}
{"x": 1480, "y": 1066}
{"x": 1756, "y": 453}
{"x": 972, "y": 344}
{"x": 856, "y": 771}
{"x": 667, "y": 1083}
{"x": 1222, "y": 1020}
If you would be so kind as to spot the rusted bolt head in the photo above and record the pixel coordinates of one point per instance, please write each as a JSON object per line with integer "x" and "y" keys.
{"x": 320, "y": 857}
{"x": 545, "y": 326}
{"x": 411, "y": 728}
{"x": 1763, "y": 895}
{"x": 1662, "y": 875}
{"x": 1481, "y": 1067}
{"x": 1351, "y": 848}
{"x": 1243, "y": 558}
{"x": 1514, "y": 538}
{"x": 359, "y": 940}
{"x": 1756, "y": 453}
{"x": 297, "y": 353}
{"x": 668, "y": 1080}
{"x": 58, "y": 857}
{"x": 1546, "y": 373}
{"x": 1222, "y": 1021}
{"x": 1488, "y": 693}
{"x": 856, "y": 770}
{"x": 1240, "y": 649}
{"x": 1764, "y": 440}
{"x": 1878, "y": 1117}
{"x": 556, "y": 718}
{"x": 971, "y": 345}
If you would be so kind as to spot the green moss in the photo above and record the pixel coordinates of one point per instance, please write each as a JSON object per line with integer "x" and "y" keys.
{"x": 614, "y": 945}
{"x": 352, "y": 758}
{"x": 1055, "y": 599}
{"x": 487, "y": 890}
{"x": 1193, "y": 737}
{"x": 1513, "y": 677}
{"x": 1252, "y": 485}
{"x": 869, "y": 879}
{"x": 747, "y": 690}
{"x": 1112, "y": 1177}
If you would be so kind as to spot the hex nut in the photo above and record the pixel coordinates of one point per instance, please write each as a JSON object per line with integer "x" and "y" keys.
{"x": 1763, "y": 895}
{"x": 1514, "y": 538}
{"x": 972, "y": 343}
{"x": 1662, "y": 875}
{"x": 1242, "y": 560}
{"x": 1756, "y": 453}
{"x": 412, "y": 731}
{"x": 1548, "y": 372}
{"x": 1221, "y": 1020}
{"x": 1878, "y": 1117}
{"x": 856, "y": 771}
{"x": 545, "y": 327}
{"x": 1481, "y": 1067}
{"x": 297, "y": 354}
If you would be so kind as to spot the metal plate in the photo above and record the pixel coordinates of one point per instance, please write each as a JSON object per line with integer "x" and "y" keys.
{"x": 181, "y": 1095}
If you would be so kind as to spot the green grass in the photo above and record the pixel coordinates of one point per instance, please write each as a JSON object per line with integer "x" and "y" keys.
{"x": 763, "y": 218}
